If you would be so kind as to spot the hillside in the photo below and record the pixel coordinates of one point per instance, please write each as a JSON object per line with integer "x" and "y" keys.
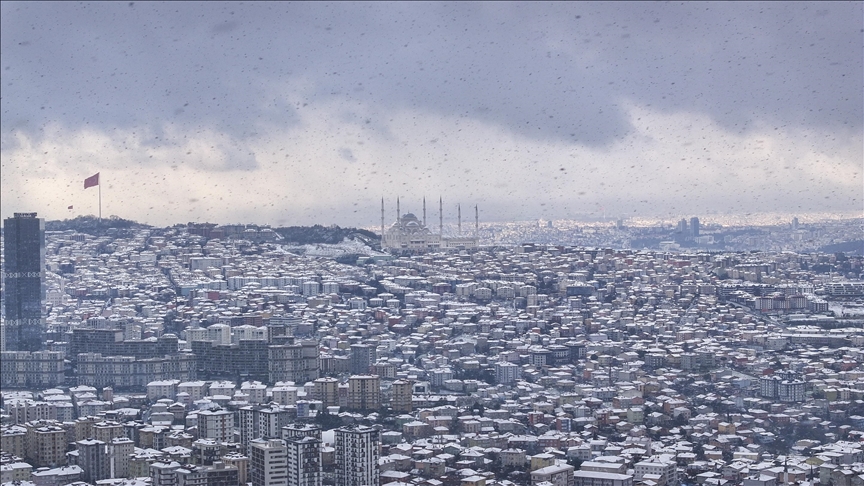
{"x": 303, "y": 235}
{"x": 92, "y": 225}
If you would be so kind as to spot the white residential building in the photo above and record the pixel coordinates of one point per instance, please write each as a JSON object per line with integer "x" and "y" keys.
{"x": 357, "y": 453}
{"x": 196, "y": 390}
{"x": 507, "y": 373}
{"x": 216, "y": 424}
{"x": 268, "y": 462}
{"x": 304, "y": 461}
{"x": 667, "y": 471}
{"x": 162, "y": 389}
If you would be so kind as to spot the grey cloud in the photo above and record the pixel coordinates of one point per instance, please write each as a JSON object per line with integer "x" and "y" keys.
{"x": 556, "y": 70}
{"x": 566, "y": 73}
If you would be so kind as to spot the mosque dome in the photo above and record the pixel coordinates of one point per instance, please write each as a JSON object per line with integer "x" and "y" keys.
{"x": 410, "y": 233}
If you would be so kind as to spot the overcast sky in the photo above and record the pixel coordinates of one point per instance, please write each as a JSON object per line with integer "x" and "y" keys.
{"x": 302, "y": 113}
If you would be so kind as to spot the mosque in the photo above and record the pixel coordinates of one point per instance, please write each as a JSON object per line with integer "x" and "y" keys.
{"x": 410, "y": 235}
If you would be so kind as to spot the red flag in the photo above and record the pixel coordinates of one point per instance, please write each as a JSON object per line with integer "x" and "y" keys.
{"x": 91, "y": 181}
{"x": 70, "y": 207}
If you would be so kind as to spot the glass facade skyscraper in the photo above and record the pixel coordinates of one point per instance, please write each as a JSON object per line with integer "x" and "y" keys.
{"x": 23, "y": 273}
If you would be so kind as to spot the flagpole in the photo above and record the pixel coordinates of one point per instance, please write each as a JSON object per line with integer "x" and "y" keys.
{"x": 100, "y": 202}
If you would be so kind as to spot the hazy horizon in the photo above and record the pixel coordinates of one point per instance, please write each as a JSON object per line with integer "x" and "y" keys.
{"x": 707, "y": 220}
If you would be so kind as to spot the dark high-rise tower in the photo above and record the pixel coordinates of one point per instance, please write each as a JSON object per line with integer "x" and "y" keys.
{"x": 24, "y": 269}
{"x": 362, "y": 359}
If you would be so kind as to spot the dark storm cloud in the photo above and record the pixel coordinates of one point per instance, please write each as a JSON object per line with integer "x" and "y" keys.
{"x": 307, "y": 111}
{"x": 549, "y": 71}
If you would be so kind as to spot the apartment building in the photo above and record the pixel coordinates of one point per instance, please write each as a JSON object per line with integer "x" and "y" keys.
{"x": 327, "y": 391}
{"x": 357, "y": 453}
{"x": 304, "y": 461}
{"x": 268, "y": 462}
{"x": 217, "y": 425}
{"x": 45, "y": 444}
{"x": 293, "y": 362}
{"x": 403, "y": 394}
{"x": 364, "y": 392}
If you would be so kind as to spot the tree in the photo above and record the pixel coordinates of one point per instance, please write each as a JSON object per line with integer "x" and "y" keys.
{"x": 478, "y": 408}
{"x": 327, "y": 421}
{"x": 171, "y": 324}
{"x": 680, "y": 420}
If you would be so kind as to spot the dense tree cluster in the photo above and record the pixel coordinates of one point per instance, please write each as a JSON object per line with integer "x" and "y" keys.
{"x": 92, "y": 225}
{"x": 304, "y": 235}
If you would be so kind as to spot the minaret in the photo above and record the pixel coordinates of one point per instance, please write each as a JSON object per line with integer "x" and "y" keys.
{"x": 424, "y": 211}
{"x": 459, "y": 212}
{"x": 398, "y": 214}
{"x": 440, "y": 216}
{"x": 476, "y": 221}
{"x": 382, "y": 222}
